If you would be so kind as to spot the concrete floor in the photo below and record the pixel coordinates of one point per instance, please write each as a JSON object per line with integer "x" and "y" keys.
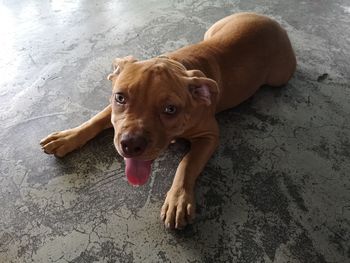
{"x": 277, "y": 189}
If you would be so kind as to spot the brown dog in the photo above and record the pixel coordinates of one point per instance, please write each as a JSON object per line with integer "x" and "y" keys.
{"x": 177, "y": 95}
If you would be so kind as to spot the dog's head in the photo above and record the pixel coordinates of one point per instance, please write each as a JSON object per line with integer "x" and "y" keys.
{"x": 152, "y": 103}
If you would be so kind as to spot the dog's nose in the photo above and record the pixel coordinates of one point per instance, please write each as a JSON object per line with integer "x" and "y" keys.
{"x": 133, "y": 145}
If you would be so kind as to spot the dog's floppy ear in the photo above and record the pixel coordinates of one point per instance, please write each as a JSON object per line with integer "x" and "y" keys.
{"x": 118, "y": 65}
{"x": 202, "y": 88}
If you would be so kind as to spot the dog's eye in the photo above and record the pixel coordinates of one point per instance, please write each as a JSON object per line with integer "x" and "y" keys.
{"x": 170, "y": 110}
{"x": 119, "y": 98}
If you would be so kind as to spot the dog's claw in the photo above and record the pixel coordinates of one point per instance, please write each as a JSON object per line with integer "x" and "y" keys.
{"x": 178, "y": 209}
{"x": 61, "y": 143}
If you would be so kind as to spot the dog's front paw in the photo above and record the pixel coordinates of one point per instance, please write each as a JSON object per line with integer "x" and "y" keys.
{"x": 63, "y": 142}
{"x": 179, "y": 208}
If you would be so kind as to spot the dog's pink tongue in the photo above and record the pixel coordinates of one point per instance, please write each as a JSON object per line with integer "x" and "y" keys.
{"x": 137, "y": 171}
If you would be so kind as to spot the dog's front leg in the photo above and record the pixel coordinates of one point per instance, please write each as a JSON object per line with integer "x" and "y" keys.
{"x": 179, "y": 206}
{"x": 63, "y": 142}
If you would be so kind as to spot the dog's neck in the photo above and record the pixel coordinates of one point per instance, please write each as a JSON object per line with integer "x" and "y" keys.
{"x": 198, "y": 57}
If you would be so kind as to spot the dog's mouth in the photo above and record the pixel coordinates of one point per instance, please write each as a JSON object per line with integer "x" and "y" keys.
{"x": 138, "y": 168}
{"x": 137, "y": 171}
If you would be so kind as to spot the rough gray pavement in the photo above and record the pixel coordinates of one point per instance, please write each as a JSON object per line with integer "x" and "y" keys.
{"x": 276, "y": 190}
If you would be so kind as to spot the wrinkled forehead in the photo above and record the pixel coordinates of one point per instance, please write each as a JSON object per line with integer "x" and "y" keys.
{"x": 156, "y": 76}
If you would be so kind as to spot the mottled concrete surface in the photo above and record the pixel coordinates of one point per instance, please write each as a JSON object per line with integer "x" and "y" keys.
{"x": 277, "y": 189}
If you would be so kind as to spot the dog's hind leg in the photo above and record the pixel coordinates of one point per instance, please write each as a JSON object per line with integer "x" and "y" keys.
{"x": 63, "y": 142}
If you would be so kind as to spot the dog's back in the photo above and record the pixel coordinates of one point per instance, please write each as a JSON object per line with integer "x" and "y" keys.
{"x": 242, "y": 52}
